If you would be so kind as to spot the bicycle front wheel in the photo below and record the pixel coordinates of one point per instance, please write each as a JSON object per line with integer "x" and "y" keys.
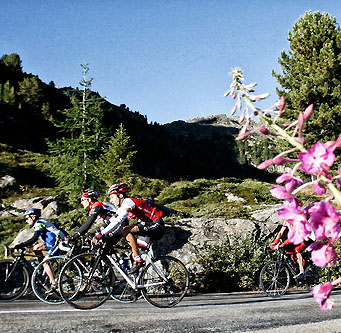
{"x": 41, "y": 284}
{"x": 275, "y": 278}
{"x": 164, "y": 282}
{"x": 14, "y": 280}
{"x": 86, "y": 281}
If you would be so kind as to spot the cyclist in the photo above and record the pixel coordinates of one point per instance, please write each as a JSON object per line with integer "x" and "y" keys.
{"x": 149, "y": 219}
{"x": 50, "y": 235}
{"x": 297, "y": 249}
{"x": 98, "y": 212}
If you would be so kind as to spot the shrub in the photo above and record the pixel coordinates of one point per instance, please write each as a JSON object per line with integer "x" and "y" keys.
{"x": 232, "y": 266}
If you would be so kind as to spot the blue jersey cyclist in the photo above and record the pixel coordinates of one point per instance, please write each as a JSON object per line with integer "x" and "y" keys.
{"x": 48, "y": 233}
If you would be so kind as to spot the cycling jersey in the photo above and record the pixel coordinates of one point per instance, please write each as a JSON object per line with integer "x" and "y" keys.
{"x": 100, "y": 212}
{"x": 141, "y": 210}
{"x": 148, "y": 217}
{"x": 47, "y": 231}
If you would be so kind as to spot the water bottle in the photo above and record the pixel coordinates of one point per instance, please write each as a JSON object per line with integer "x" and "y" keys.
{"x": 123, "y": 261}
{"x": 33, "y": 263}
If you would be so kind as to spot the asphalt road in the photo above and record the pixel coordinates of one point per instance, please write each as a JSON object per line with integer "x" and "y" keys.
{"x": 233, "y": 312}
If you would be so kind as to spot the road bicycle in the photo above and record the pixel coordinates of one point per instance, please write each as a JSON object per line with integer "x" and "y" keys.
{"x": 89, "y": 279}
{"x": 277, "y": 275}
{"x": 15, "y": 274}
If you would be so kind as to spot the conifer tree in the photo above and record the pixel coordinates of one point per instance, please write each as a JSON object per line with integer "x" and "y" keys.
{"x": 312, "y": 74}
{"x": 116, "y": 162}
{"x": 74, "y": 156}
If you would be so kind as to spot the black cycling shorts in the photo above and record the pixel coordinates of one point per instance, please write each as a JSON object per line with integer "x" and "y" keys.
{"x": 153, "y": 229}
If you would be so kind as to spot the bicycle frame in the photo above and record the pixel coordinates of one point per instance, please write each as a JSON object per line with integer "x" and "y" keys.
{"x": 133, "y": 283}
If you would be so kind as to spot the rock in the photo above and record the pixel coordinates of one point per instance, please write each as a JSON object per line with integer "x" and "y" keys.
{"x": 187, "y": 239}
{"x": 22, "y": 236}
{"x": 7, "y": 181}
{"x": 50, "y": 207}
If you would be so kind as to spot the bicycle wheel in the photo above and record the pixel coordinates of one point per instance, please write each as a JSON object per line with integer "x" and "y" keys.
{"x": 165, "y": 282}
{"x": 86, "y": 281}
{"x": 122, "y": 291}
{"x": 41, "y": 284}
{"x": 275, "y": 278}
{"x": 13, "y": 282}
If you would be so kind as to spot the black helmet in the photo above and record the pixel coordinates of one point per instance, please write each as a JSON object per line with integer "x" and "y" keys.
{"x": 118, "y": 188}
{"x": 33, "y": 212}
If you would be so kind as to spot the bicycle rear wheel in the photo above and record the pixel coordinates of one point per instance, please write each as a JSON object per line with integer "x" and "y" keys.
{"x": 122, "y": 291}
{"x": 41, "y": 284}
{"x": 275, "y": 278}
{"x": 165, "y": 282}
{"x": 13, "y": 282}
{"x": 86, "y": 281}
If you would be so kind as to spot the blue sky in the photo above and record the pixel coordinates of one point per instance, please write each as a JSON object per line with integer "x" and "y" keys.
{"x": 167, "y": 59}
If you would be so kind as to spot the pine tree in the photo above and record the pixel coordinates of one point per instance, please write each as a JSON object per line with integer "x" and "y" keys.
{"x": 73, "y": 157}
{"x": 312, "y": 74}
{"x": 7, "y": 93}
{"x": 116, "y": 162}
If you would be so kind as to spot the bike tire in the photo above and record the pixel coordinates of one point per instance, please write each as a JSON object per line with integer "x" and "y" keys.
{"x": 13, "y": 284}
{"x": 85, "y": 282}
{"x": 165, "y": 281}
{"x": 275, "y": 278}
{"x": 41, "y": 282}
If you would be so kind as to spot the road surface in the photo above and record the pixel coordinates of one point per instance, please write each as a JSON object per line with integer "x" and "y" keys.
{"x": 231, "y": 312}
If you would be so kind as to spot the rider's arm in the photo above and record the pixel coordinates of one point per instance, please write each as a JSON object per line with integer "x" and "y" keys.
{"x": 88, "y": 223}
{"x": 29, "y": 242}
{"x": 278, "y": 237}
{"x": 115, "y": 221}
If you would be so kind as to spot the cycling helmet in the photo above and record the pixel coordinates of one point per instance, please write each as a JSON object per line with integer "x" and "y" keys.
{"x": 89, "y": 193}
{"x": 118, "y": 188}
{"x": 33, "y": 212}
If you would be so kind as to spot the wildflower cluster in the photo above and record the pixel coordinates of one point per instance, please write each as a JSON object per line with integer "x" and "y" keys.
{"x": 319, "y": 221}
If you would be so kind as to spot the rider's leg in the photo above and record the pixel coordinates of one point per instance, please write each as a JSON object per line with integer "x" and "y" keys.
{"x": 300, "y": 262}
{"x": 128, "y": 235}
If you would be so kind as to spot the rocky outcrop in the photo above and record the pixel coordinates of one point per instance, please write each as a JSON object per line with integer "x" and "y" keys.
{"x": 50, "y": 207}
{"x": 187, "y": 239}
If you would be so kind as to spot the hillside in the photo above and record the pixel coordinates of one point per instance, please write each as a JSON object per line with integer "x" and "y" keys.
{"x": 201, "y": 147}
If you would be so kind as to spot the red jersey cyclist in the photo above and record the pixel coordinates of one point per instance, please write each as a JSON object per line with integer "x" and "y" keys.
{"x": 99, "y": 212}
{"x": 148, "y": 217}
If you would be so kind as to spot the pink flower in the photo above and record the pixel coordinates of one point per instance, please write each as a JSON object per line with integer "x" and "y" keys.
{"x": 322, "y": 254}
{"x": 325, "y": 220}
{"x": 242, "y": 136}
{"x": 301, "y": 229}
{"x": 265, "y": 164}
{"x": 317, "y": 160}
{"x": 281, "y": 193}
{"x": 319, "y": 189}
{"x": 308, "y": 112}
{"x": 321, "y": 294}
{"x": 290, "y": 181}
